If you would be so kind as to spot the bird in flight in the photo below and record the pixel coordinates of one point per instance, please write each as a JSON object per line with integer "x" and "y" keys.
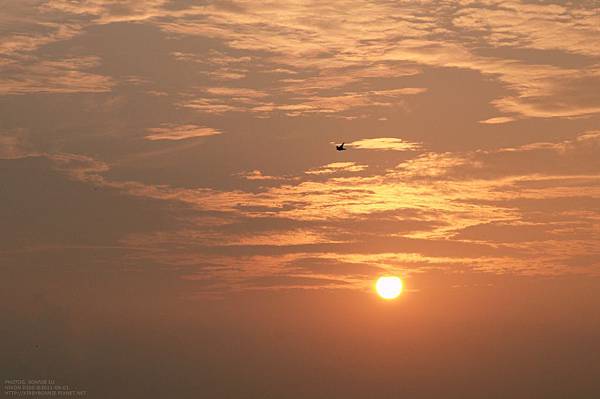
{"x": 340, "y": 147}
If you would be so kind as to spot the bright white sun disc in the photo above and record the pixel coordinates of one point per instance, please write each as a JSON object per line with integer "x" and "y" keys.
{"x": 388, "y": 287}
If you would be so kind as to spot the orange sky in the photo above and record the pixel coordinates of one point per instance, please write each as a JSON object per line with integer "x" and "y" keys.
{"x": 183, "y": 151}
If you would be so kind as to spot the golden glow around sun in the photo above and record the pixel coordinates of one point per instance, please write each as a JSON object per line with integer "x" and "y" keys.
{"x": 388, "y": 287}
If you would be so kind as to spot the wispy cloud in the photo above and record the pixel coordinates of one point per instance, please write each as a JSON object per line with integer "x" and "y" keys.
{"x": 419, "y": 34}
{"x": 13, "y": 144}
{"x": 538, "y": 26}
{"x": 386, "y": 40}
{"x": 180, "y": 132}
{"x": 257, "y": 175}
{"x": 384, "y": 143}
{"x": 497, "y": 120}
{"x": 272, "y": 219}
{"x": 336, "y": 167}
{"x": 57, "y": 76}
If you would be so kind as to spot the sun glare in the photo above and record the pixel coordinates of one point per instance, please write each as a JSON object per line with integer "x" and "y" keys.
{"x": 388, "y": 287}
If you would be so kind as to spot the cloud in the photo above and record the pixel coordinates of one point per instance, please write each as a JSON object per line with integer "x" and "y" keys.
{"x": 289, "y": 281}
{"x": 386, "y": 41}
{"x": 538, "y": 26}
{"x": 330, "y": 78}
{"x": 469, "y": 190}
{"x": 13, "y": 145}
{"x": 218, "y": 66}
{"x": 492, "y": 211}
{"x": 180, "y": 132}
{"x": 527, "y": 208}
{"x": 384, "y": 143}
{"x": 415, "y": 34}
{"x": 108, "y": 11}
{"x": 236, "y": 92}
{"x": 337, "y": 167}
{"x": 541, "y": 90}
{"x": 257, "y": 175}
{"x": 57, "y": 76}
{"x": 322, "y": 265}
{"x": 220, "y": 100}
{"x": 211, "y": 106}
{"x": 497, "y": 120}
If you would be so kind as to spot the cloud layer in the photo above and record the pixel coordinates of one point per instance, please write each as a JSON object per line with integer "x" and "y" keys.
{"x": 471, "y": 128}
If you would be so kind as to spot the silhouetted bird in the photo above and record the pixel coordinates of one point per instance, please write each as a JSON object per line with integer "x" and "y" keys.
{"x": 340, "y": 147}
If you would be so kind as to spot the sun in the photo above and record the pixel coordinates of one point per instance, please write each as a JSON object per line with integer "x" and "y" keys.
{"x": 388, "y": 287}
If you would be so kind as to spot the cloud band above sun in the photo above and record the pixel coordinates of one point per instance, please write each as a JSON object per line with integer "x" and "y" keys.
{"x": 180, "y": 132}
{"x": 384, "y": 143}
